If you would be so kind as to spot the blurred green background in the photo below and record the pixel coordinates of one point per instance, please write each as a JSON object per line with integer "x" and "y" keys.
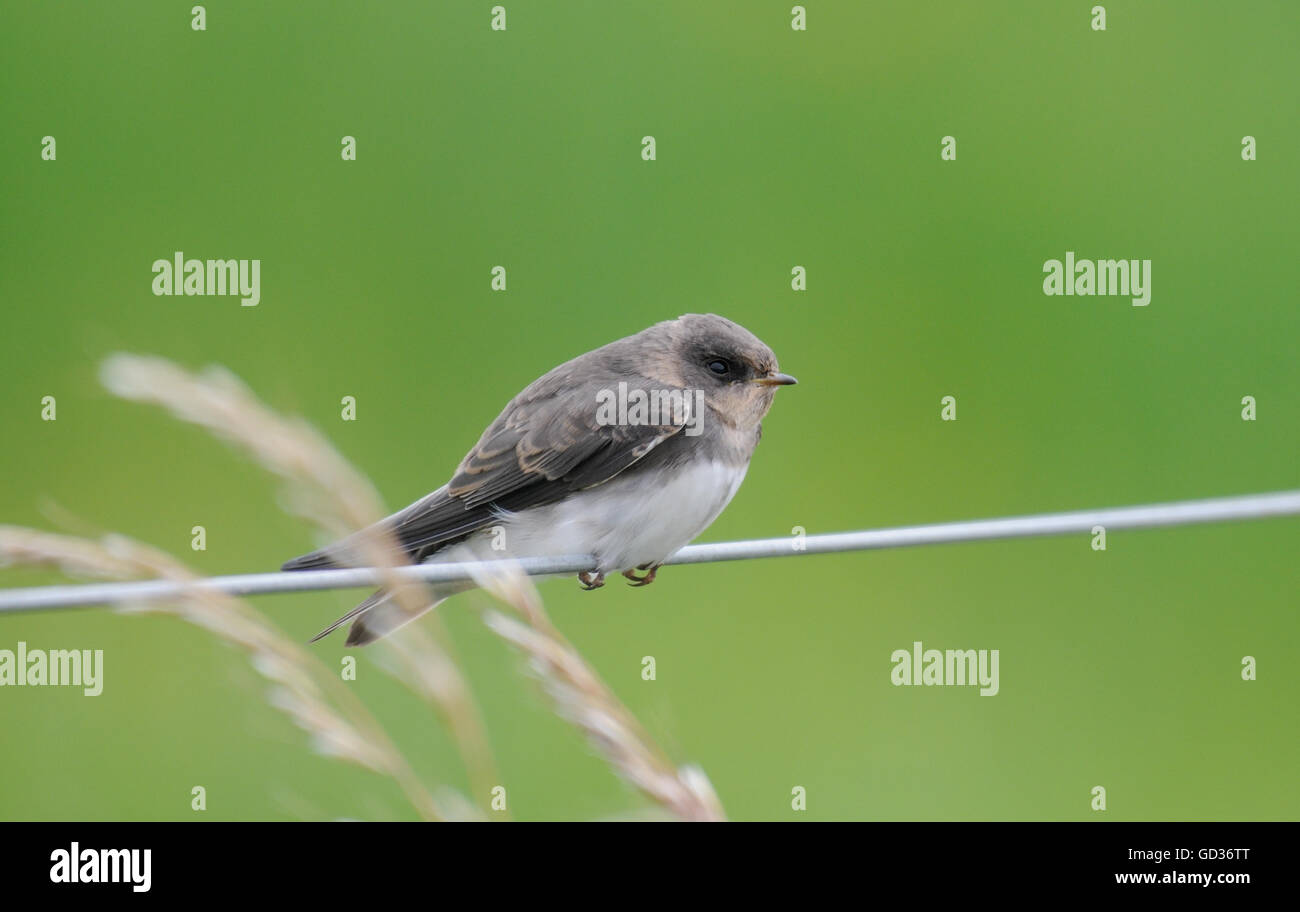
{"x": 775, "y": 148}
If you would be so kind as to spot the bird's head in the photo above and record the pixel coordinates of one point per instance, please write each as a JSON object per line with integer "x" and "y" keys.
{"x": 734, "y": 371}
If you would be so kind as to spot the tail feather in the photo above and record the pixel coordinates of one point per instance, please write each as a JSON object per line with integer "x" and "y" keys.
{"x": 381, "y": 619}
{"x": 316, "y": 560}
{"x": 380, "y": 615}
{"x": 365, "y": 606}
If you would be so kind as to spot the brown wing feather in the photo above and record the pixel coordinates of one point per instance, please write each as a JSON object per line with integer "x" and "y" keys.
{"x": 544, "y": 445}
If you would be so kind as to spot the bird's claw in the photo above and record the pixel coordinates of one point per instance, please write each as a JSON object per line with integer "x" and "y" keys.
{"x": 646, "y": 580}
{"x": 591, "y": 579}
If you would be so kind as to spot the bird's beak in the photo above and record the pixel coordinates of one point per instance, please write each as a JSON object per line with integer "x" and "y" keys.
{"x": 776, "y": 380}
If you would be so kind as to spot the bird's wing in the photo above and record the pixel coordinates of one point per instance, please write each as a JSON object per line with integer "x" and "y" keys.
{"x": 546, "y": 444}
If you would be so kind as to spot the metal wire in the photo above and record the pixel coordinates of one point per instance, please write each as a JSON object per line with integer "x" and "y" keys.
{"x": 1222, "y": 509}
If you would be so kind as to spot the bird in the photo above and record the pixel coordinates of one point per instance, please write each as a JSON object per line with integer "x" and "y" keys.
{"x": 626, "y": 453}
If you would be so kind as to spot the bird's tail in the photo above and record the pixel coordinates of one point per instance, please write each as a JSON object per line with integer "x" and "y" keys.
{"x": 380, "y": 615}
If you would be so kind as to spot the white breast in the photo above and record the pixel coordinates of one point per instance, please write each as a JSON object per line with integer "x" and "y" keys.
{"x": 629, "y": 521}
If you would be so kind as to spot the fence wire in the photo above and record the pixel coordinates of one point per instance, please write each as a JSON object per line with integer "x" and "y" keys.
{"x": 1221, "y": 509}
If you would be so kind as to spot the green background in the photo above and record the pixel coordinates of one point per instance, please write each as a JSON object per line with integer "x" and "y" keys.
{"x": 775, "y": 148}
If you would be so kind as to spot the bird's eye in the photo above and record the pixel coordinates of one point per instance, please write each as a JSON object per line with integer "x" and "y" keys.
{"x": 719, "y": 367}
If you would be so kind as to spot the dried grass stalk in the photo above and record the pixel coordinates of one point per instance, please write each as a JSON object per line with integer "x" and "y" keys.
{"x": 325, "y": 489}
{"x": 581, "y": 697}
{"x": 339, "y": 725}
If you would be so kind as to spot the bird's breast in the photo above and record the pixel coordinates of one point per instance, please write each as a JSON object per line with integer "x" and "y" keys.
{"x": 637, "y": 518}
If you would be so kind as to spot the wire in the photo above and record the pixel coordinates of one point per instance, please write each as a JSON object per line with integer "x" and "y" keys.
{"x": 1222, "y": 509}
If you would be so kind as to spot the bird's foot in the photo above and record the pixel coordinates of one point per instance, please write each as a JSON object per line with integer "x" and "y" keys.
{"x": 591, "y": 579}
{"x": 650, "y": 571}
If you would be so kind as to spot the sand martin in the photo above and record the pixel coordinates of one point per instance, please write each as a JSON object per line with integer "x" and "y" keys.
{"x": 626, "y": 453}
